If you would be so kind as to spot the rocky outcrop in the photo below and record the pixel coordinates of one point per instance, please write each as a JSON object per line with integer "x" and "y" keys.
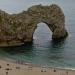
{"x": 16, "y": 29}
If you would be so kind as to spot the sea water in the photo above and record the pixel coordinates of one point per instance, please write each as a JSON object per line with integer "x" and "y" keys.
{"x": 44, "y": 51}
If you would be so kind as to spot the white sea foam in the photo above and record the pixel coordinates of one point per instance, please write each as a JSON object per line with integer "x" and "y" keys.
{"x": 66, "y": 68}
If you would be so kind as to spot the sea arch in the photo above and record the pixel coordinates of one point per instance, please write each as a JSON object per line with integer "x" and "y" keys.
{"x": 16, "y": 29}
{"x": 52, "y": 16}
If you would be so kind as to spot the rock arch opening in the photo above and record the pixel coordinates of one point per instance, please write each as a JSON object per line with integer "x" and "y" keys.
{"x": 42, "y": 32}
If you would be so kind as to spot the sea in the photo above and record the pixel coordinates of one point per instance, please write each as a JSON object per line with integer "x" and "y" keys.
{"x": 43, "y": 50}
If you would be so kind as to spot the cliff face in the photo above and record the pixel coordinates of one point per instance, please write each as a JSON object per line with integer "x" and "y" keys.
{"x": 19, "y": 28}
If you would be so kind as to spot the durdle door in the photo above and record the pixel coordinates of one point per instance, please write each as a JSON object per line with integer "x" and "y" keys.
{"x": 16, "y": 29}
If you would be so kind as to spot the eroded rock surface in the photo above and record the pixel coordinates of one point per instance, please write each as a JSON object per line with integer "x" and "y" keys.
{"x": 16, "y": 29}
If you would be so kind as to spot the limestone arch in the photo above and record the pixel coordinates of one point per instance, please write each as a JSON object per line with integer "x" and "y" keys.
{"x": 16, "y": 29}
{"x": 52, "y": 16}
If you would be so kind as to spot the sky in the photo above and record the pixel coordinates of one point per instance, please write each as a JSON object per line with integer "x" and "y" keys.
{"x": 15, "y": 6}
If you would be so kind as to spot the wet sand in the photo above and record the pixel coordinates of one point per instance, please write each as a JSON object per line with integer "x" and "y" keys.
{"x": 16, "y": 68}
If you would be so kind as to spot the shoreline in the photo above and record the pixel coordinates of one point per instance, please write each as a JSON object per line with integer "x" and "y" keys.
{"x": 15, "y": 68}
{"x": 34, "y": 65}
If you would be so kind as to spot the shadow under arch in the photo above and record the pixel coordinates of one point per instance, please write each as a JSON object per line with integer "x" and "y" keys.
{"x": 57, "y": 49}
{"x": 25, "y": 48}
{"x": 58, "y": 43}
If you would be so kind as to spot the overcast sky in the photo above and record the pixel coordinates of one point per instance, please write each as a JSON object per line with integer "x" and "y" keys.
{"x": 15, "y": 6}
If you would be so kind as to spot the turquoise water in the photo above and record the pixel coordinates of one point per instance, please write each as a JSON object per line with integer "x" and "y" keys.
{"x": 43, "y": 50}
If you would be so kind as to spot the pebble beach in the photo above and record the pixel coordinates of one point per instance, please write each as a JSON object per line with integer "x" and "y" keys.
{"x": 15, "y": 68}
